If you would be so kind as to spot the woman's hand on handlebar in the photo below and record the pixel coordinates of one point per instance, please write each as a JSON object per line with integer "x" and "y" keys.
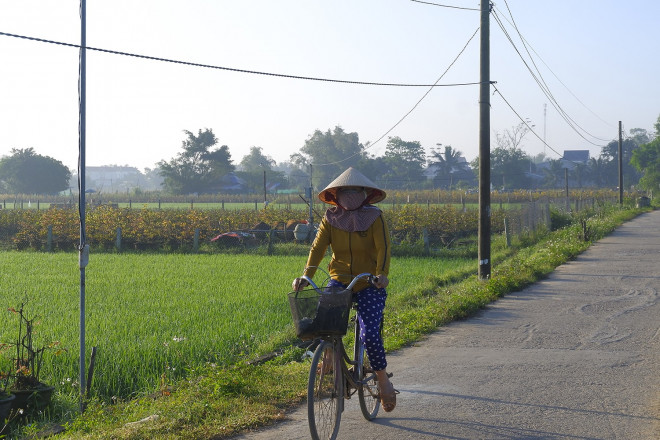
{"x": 381, "y": 281}
{"x": 299, "y": 283}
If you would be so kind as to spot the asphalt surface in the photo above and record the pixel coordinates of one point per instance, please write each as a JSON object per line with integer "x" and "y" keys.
{"x": 574, "y": 356}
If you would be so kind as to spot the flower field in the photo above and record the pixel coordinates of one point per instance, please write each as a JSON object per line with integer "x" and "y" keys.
{"x": 175, "y": 228}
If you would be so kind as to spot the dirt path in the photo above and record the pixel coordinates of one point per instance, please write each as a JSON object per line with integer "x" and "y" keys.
{"x": 575, "y": 356}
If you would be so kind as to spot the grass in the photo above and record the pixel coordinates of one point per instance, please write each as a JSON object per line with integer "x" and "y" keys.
{"x": 214, "y": 401}
{"x": 163, "y": 314}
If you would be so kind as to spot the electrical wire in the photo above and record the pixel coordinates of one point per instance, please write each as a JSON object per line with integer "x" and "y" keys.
{"x": 527, "y": 44}
{"x": 529, "y": 127}
{"x": 545, "y": 89}
{"x": 232, "y": 69}
{"x": 409, "y": 111}
{"x": 445, "y": 6}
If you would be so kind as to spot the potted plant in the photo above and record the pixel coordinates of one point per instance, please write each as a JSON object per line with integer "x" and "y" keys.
{"x": 26, "y": 361}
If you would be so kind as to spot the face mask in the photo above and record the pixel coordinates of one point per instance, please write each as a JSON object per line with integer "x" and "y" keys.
{"x": 351, "y": 200}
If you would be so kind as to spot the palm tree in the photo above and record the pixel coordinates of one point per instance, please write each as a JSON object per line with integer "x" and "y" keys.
{"x": 447, "y": 163}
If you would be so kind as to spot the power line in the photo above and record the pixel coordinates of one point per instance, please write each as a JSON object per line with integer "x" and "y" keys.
{"x": 528, "y": 126}
{"x": 409, "y": 111}
{"x": 557, "y": 77}
{"x": 232, "y": 69}
{"x": 545, "y": 89}
{"x": 445, "y": 6}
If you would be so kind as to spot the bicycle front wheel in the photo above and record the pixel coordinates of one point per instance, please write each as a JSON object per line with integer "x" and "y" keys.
{"x": 368, "y": 391}
{"x": 325, "y": 392}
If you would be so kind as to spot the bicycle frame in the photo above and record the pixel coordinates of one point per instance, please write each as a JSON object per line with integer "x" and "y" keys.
{"x": 348, "y": 379}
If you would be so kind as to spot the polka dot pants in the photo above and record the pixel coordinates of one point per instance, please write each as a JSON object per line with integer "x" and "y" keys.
{"x": 371, "y": 303}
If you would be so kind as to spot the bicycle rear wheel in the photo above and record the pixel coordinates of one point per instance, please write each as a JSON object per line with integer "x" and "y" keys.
{"x": 368, "y": 392}
{"x": 325, "y": 392}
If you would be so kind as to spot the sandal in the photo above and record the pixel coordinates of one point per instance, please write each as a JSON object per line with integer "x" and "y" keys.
{"x": 387, "y": 398}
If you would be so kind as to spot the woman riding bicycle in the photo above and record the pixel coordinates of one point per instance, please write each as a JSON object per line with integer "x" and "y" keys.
{"x": 360, "y": 242}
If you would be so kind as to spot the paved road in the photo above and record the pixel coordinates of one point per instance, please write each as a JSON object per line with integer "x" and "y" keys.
{"x": 575, "y": 356}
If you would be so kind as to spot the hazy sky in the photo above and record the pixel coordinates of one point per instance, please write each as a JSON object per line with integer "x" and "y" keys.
{"x": 597, "y": 57}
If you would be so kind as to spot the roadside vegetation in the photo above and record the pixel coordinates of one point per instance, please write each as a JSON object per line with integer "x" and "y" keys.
{"x": 207, "y": 339}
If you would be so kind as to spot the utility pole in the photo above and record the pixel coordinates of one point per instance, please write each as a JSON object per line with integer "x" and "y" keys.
{"x": 83, "y": 248}
{"x": 545, "y": 111}
{"x": 484, "y": 145}
{"x": 620, "y": 165}
{"x": 265, "y": 198}
{"x": 311, "y": 205}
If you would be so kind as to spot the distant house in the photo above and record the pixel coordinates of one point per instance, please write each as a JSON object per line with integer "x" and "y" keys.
{"x": 230, "y": 182}
{"x": 575, "y": 157}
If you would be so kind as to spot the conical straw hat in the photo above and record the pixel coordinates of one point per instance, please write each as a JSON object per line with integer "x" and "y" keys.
{"x": 351, "y": 177}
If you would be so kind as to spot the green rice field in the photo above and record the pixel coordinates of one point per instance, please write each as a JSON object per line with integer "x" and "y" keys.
{"x": 155, "y": 317}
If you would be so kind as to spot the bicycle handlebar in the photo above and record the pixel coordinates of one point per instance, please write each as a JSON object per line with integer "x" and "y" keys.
{"x": 370, "y": 279}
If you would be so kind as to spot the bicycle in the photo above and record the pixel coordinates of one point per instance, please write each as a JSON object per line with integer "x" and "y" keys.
{"x": 333, "y": 375}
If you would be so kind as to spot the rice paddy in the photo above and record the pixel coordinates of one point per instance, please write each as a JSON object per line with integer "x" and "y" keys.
{"x": 154, "y": 317}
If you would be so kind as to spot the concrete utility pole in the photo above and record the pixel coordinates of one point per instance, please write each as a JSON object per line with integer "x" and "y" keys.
{"x": 83, "y": 248}
{"x": 311, "y": 205}
{"x": 484, "y": 145}
{"x": 620, "y": 165}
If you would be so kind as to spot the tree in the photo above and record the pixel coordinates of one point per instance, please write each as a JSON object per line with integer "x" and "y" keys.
{"x": 610, "y": 155}
{"x": 451, "y": 167}
{"x": 25, "y": 172}
{"x": 405, "y": 163}
{"x": 330, "y": 153}
{"x": 598, "y": 171}
{"x": 553, "y": 175}
{"x": 513, "y": 138}
{"x": 197, "y": 169}
{"x": 510, "y": 168}
{"x": 646, "y": 159}
{"x": 256, "y": 161}
{"x": 510, "y": 165}
{"x": 253, "y": 167}
{"x": 640, "y": 136}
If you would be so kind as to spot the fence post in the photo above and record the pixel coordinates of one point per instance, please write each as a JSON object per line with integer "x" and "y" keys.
{"x": 507, "y": 233}
{"x": 159, "y": 203}
{"x": 270, "y": 241}
{"x": 223, "y": 205}
{"x": 427, "y": 247}
{"x": 38, "y": 208}
{"x": 49, "y": 239}
{"x": 191, "y": 204}
{"x": 118, "y": 239}
{"x": 196, "y": 240}
{"x": 130, "y": 204}
{"x": 256, "y": 207}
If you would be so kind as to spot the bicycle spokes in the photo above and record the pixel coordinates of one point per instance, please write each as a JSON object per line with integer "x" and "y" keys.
{"x": 325, "y": 393}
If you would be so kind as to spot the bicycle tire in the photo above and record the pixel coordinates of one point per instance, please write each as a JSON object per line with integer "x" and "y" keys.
{"x": 325, "y": 392}
{"x": 368, "y": 390}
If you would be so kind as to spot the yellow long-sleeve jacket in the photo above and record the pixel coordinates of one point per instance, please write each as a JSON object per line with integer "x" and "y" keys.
{"x": 352, "y": 252}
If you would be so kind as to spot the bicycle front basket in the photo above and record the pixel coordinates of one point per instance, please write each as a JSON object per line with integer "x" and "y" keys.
{"x": 320, "y": 314}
